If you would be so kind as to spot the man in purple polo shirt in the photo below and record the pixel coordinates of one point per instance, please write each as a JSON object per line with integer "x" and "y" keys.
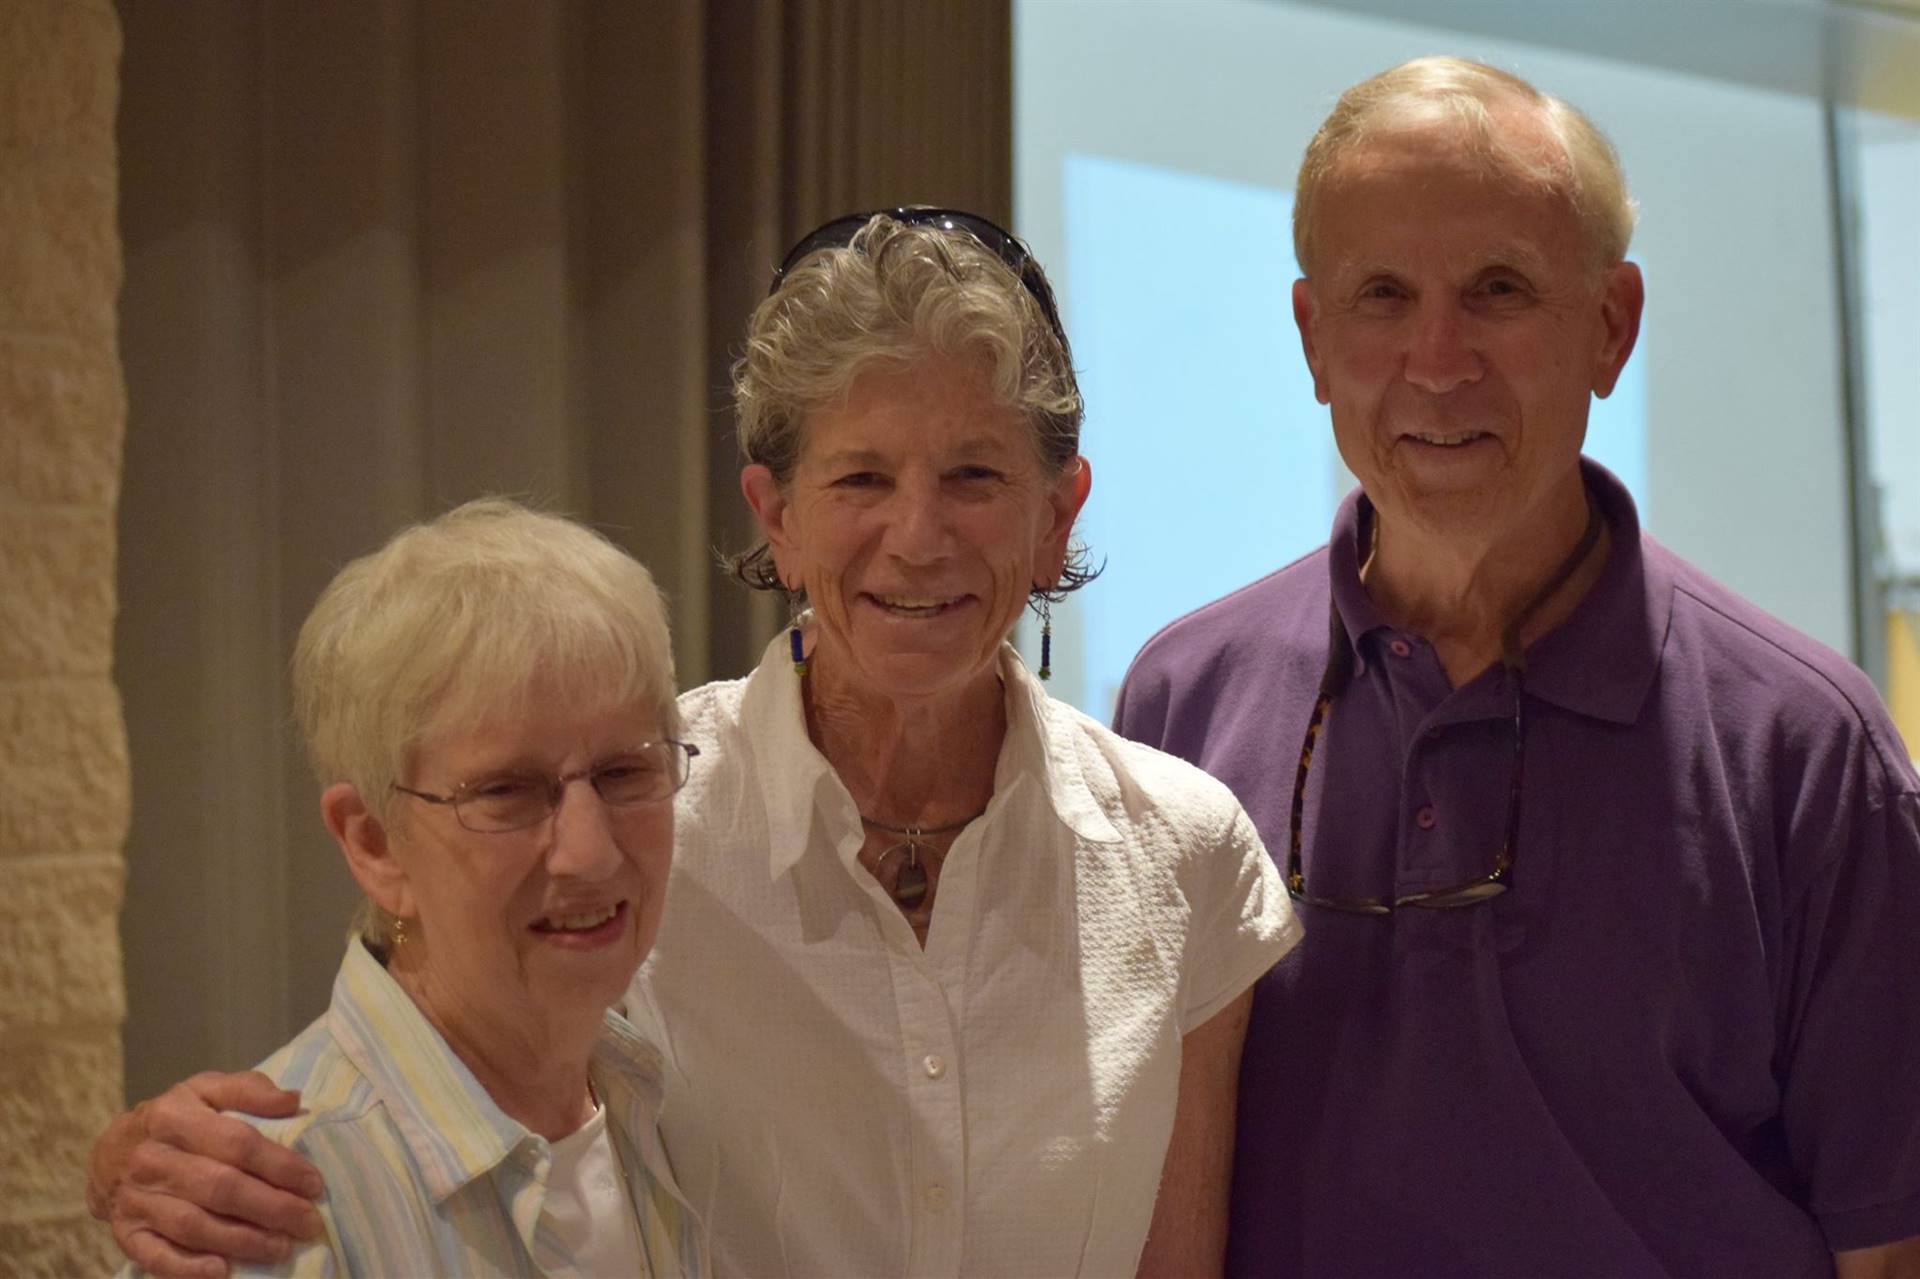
{"x": 1611, "y": 881}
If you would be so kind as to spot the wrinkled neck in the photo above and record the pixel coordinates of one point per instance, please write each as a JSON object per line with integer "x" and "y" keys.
{"x": 921, "y": 761}
{"x": 1474, "y": 598}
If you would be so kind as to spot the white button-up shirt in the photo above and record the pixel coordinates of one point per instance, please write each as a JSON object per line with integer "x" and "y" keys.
{"x": 844, "y": 1102}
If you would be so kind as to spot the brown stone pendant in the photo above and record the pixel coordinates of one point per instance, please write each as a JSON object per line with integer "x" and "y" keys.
{"x": 910, "y": 885}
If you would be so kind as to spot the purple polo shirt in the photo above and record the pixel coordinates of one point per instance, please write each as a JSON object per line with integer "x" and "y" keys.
{"x": 1686, "y": 1041}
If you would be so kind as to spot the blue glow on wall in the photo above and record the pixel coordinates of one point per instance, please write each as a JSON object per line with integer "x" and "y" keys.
{"x": 1212, "y": 464}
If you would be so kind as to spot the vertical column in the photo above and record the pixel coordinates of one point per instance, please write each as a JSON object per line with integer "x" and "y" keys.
{"x": 63, "y": 768}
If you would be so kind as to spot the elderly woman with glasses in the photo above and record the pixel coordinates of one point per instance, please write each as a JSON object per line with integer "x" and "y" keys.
{"x": 956, "y": 980}
{"x": 489, "y": 704}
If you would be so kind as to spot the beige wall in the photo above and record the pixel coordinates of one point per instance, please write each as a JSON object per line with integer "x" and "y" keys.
{"x": 63, "y": 765}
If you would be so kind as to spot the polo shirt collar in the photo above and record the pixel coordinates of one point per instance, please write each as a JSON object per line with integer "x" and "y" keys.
{"x": 1602, "y": 660}
{"x": 795, "y": 777}
{"x": 454, "y": 1131}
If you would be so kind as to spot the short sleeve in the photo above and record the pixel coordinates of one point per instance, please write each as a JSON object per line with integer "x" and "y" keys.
{"x": 1850, "y": 1031}
{"x": 1241, "y": 920}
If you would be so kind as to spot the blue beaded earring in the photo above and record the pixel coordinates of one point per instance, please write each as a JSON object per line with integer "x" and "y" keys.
{"x": 1046, "y": 638}
{"x": 795, "y": 645}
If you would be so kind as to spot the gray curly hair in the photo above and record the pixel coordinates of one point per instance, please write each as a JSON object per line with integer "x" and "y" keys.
{"x": 897, "y": 293}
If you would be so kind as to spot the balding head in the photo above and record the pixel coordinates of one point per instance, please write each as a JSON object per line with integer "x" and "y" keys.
{"x": 1518, "y": 133}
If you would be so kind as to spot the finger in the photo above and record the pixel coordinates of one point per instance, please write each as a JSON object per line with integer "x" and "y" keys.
{"x": 246, "y": 1090}
{"x": 213, "y": 1186}
{"x": 194, "y": 1232}
{"x": 155, "y": 1255}
{"x": 225, "y": 1140}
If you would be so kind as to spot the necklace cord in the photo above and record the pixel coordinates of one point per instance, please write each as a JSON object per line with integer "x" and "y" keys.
{"x": 1338, "y": 672}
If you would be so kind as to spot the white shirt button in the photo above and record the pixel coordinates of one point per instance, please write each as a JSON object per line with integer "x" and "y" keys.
{"x": 936, "y": 1196}
{"x": 934, "y": 1064}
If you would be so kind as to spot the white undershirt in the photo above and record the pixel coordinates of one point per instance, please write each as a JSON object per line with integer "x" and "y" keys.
{"x": 588, "y": 1209}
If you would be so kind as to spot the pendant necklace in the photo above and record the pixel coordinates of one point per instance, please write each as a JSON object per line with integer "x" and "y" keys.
{"x": 910, "y": 885}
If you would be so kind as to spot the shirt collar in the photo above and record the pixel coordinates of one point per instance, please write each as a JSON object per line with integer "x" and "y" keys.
{"x": 791, "y": 771}
{"x": 1602, "y": 660}
{"x": 1042, "y": 743}
{"x": 454, "y": 1131}
{"x": 795, "y": 777}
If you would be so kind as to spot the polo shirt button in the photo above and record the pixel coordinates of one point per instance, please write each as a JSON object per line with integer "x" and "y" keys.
{"x": 1400, "y": 648}
{"x": 934, "y": 1064}
{"x": 936, "y": 1196}
{"x": 1426, "y": 817}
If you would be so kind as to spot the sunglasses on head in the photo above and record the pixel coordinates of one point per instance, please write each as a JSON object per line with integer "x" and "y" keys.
{"x": 1002, "y": 243}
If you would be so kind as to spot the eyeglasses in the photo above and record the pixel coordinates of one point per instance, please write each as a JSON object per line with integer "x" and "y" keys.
{"x": 1004, "y": 244}
{"x": 504, "y": 802}
{"x": 1491, "y": 884}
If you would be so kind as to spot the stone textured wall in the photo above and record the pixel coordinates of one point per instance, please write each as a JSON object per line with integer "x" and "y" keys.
{"x": 63, "y": 766}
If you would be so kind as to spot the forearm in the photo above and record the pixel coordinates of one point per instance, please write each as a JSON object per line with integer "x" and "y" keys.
{"x": 1188, "y": 1234}
{"x": 1888, "y": 1261}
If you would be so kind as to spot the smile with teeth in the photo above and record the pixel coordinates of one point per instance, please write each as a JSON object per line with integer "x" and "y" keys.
{"x": 913, "y": 605}
{"x": 577, "y": 923}
{"x": 1448, "y": 440}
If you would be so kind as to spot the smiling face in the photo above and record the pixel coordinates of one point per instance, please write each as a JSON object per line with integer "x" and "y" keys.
{"x": 1457, "y": 324}
{"x": 519, "y": 927}
{"x": 917, "y": 519}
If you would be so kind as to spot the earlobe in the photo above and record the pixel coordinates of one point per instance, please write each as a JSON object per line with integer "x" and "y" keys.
{"x": 1303, "y": 320}
{"x": 363, "y": 842}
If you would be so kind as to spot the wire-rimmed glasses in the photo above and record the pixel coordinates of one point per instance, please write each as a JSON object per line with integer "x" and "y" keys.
{"x": 503, "y": 802}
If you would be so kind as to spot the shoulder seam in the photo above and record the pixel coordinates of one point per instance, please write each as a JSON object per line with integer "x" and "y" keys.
{"x": 1893, "y": 782}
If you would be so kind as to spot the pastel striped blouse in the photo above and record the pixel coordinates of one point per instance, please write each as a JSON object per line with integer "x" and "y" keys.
{"x": 425, "y": 1175}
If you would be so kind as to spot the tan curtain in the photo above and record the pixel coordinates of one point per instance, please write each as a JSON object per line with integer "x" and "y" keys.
{"x": 382, "y": 257}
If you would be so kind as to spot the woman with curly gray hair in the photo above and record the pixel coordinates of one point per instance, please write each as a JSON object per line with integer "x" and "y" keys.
{"x": 954, "y": 980}
{"x": 986, "y": 964}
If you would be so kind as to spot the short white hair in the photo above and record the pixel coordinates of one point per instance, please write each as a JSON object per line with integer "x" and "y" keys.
{"x": 1458, "y": 93}
{"x": 467, "y": 619}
